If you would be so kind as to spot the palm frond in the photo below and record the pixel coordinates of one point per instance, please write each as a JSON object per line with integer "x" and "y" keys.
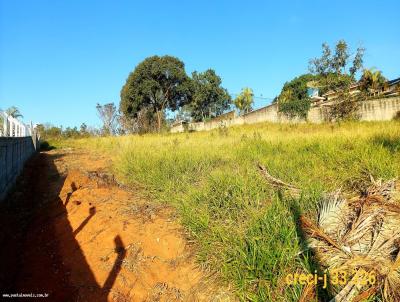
{"x": 353, "y": 234}
{"x": 333, "y": 214}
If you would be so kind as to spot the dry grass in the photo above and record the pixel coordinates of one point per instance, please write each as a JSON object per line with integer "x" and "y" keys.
{"x": 246, "y": 230}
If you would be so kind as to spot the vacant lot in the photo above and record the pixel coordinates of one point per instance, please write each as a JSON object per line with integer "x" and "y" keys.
{"x": 243, "y": 228}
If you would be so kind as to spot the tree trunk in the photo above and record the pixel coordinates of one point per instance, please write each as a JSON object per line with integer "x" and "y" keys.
{"x": 158, "y": 120}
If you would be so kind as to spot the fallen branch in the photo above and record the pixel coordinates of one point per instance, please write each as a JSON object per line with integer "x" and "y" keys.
{"x": 277, "y": 183}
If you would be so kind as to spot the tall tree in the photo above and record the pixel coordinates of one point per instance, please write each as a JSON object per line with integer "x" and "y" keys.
{"x": 334, "y": 70}
{"x": 340, "y": 58}
{"x": 209, "y": 98}
{"x": 109, "y": 117}
{"x": 335, "y": 74}
{"x": 14, "y": 112}
{"x": 357, "y": 61}
{"x": 156, "y": 84}
{"x": 244, "y": 100}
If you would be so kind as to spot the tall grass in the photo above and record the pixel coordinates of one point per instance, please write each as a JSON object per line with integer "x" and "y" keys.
{"x": 243, "y": 228}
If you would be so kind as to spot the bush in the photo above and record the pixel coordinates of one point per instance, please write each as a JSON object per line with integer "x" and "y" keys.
{"x": 45, "y": 146}
{"x": 296, "y": 108}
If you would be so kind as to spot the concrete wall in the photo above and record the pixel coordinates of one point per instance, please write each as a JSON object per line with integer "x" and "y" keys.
{"x": 380, "y": 109}
{"x": 177, "y": 128}
{"x": 268, "y": 113}
{"x": 226, "y": 116}
{"x": 14, "y": 152}
{"x": 372, "y": 110}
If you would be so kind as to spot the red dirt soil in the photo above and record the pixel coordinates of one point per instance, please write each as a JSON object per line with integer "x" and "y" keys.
{"x": 69, "y": 230}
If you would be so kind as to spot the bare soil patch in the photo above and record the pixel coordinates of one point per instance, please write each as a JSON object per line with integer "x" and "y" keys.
{"x": 70, "y": 230}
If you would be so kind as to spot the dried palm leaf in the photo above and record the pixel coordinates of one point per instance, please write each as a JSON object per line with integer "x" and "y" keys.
{"x": 315, "y": 232}
{"x": 362, "y": 233}
{"x": 391, "y": 288}
{"x": 335, "y": 215}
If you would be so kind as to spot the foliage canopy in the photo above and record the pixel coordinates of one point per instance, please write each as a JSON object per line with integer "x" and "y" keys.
{"x": 293, "y": 100}
{"x": 209, "y": 98}
{"x": 335, "y": 74}
{"x": 245, "y": 100}
{"x": 156, "y": 84}
{"x": 14, "y": 112}
{"x": 372, "y": 80}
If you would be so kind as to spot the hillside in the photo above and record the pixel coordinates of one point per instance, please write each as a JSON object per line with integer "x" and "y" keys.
{"x": 243, "y": 228}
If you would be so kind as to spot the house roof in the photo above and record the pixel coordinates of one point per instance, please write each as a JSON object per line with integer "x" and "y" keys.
{"x": 393, "y": 82}
{"x": 390, "y": 83}
{"x": 355, "y": 85}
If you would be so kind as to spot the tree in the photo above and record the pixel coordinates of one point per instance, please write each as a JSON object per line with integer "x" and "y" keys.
{"x": 340, "y": 58}
{"x": 49, "y": 131}
{"x": 298, "y": 87}
{"x": 14, "y": 112}
{"x": 372, "y": 81}
{"x": 244, "y": 100}
{"x": 338, "y": 63}
{"x": 344, "y": 107}
{"x": 321, "y": 65}
{"x": 145, "y": 121}
{"x": 294, "y": 100}
{"x": 334, "y": 74}
{"x": 83, "y": 130}
{"x": 209, "y": 98}
{"x": 71, "y": 132}
{"x": 109, "y": 117}
{"x": 157, "y": 84}
{"x": 358, "y": 61}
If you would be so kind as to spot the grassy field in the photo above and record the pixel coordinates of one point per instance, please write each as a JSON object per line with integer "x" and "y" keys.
{"x": 245, "y": 229}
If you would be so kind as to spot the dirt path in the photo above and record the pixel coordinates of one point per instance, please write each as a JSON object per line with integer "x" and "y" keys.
{"x": 70, "y": 231}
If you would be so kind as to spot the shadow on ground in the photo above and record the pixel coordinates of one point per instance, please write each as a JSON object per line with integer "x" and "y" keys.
{"x": 30, "y": 257}
{"x": 307, "y": 254}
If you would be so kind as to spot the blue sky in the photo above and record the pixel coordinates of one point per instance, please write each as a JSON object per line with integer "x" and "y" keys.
{"x": 59, "y": 58}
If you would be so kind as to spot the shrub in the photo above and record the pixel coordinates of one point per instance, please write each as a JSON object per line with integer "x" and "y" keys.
{"x": 45, "y": 146}
{"x": 295, "y": 108}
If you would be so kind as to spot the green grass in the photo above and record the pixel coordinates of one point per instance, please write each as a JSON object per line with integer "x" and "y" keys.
{"x": 244, "y": 229}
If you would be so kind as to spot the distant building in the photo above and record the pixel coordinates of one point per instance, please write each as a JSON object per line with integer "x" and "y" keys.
{"x": 393, "y": 85}
{"x": 390, "y": 88}
{"x": 313, "y": 94}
